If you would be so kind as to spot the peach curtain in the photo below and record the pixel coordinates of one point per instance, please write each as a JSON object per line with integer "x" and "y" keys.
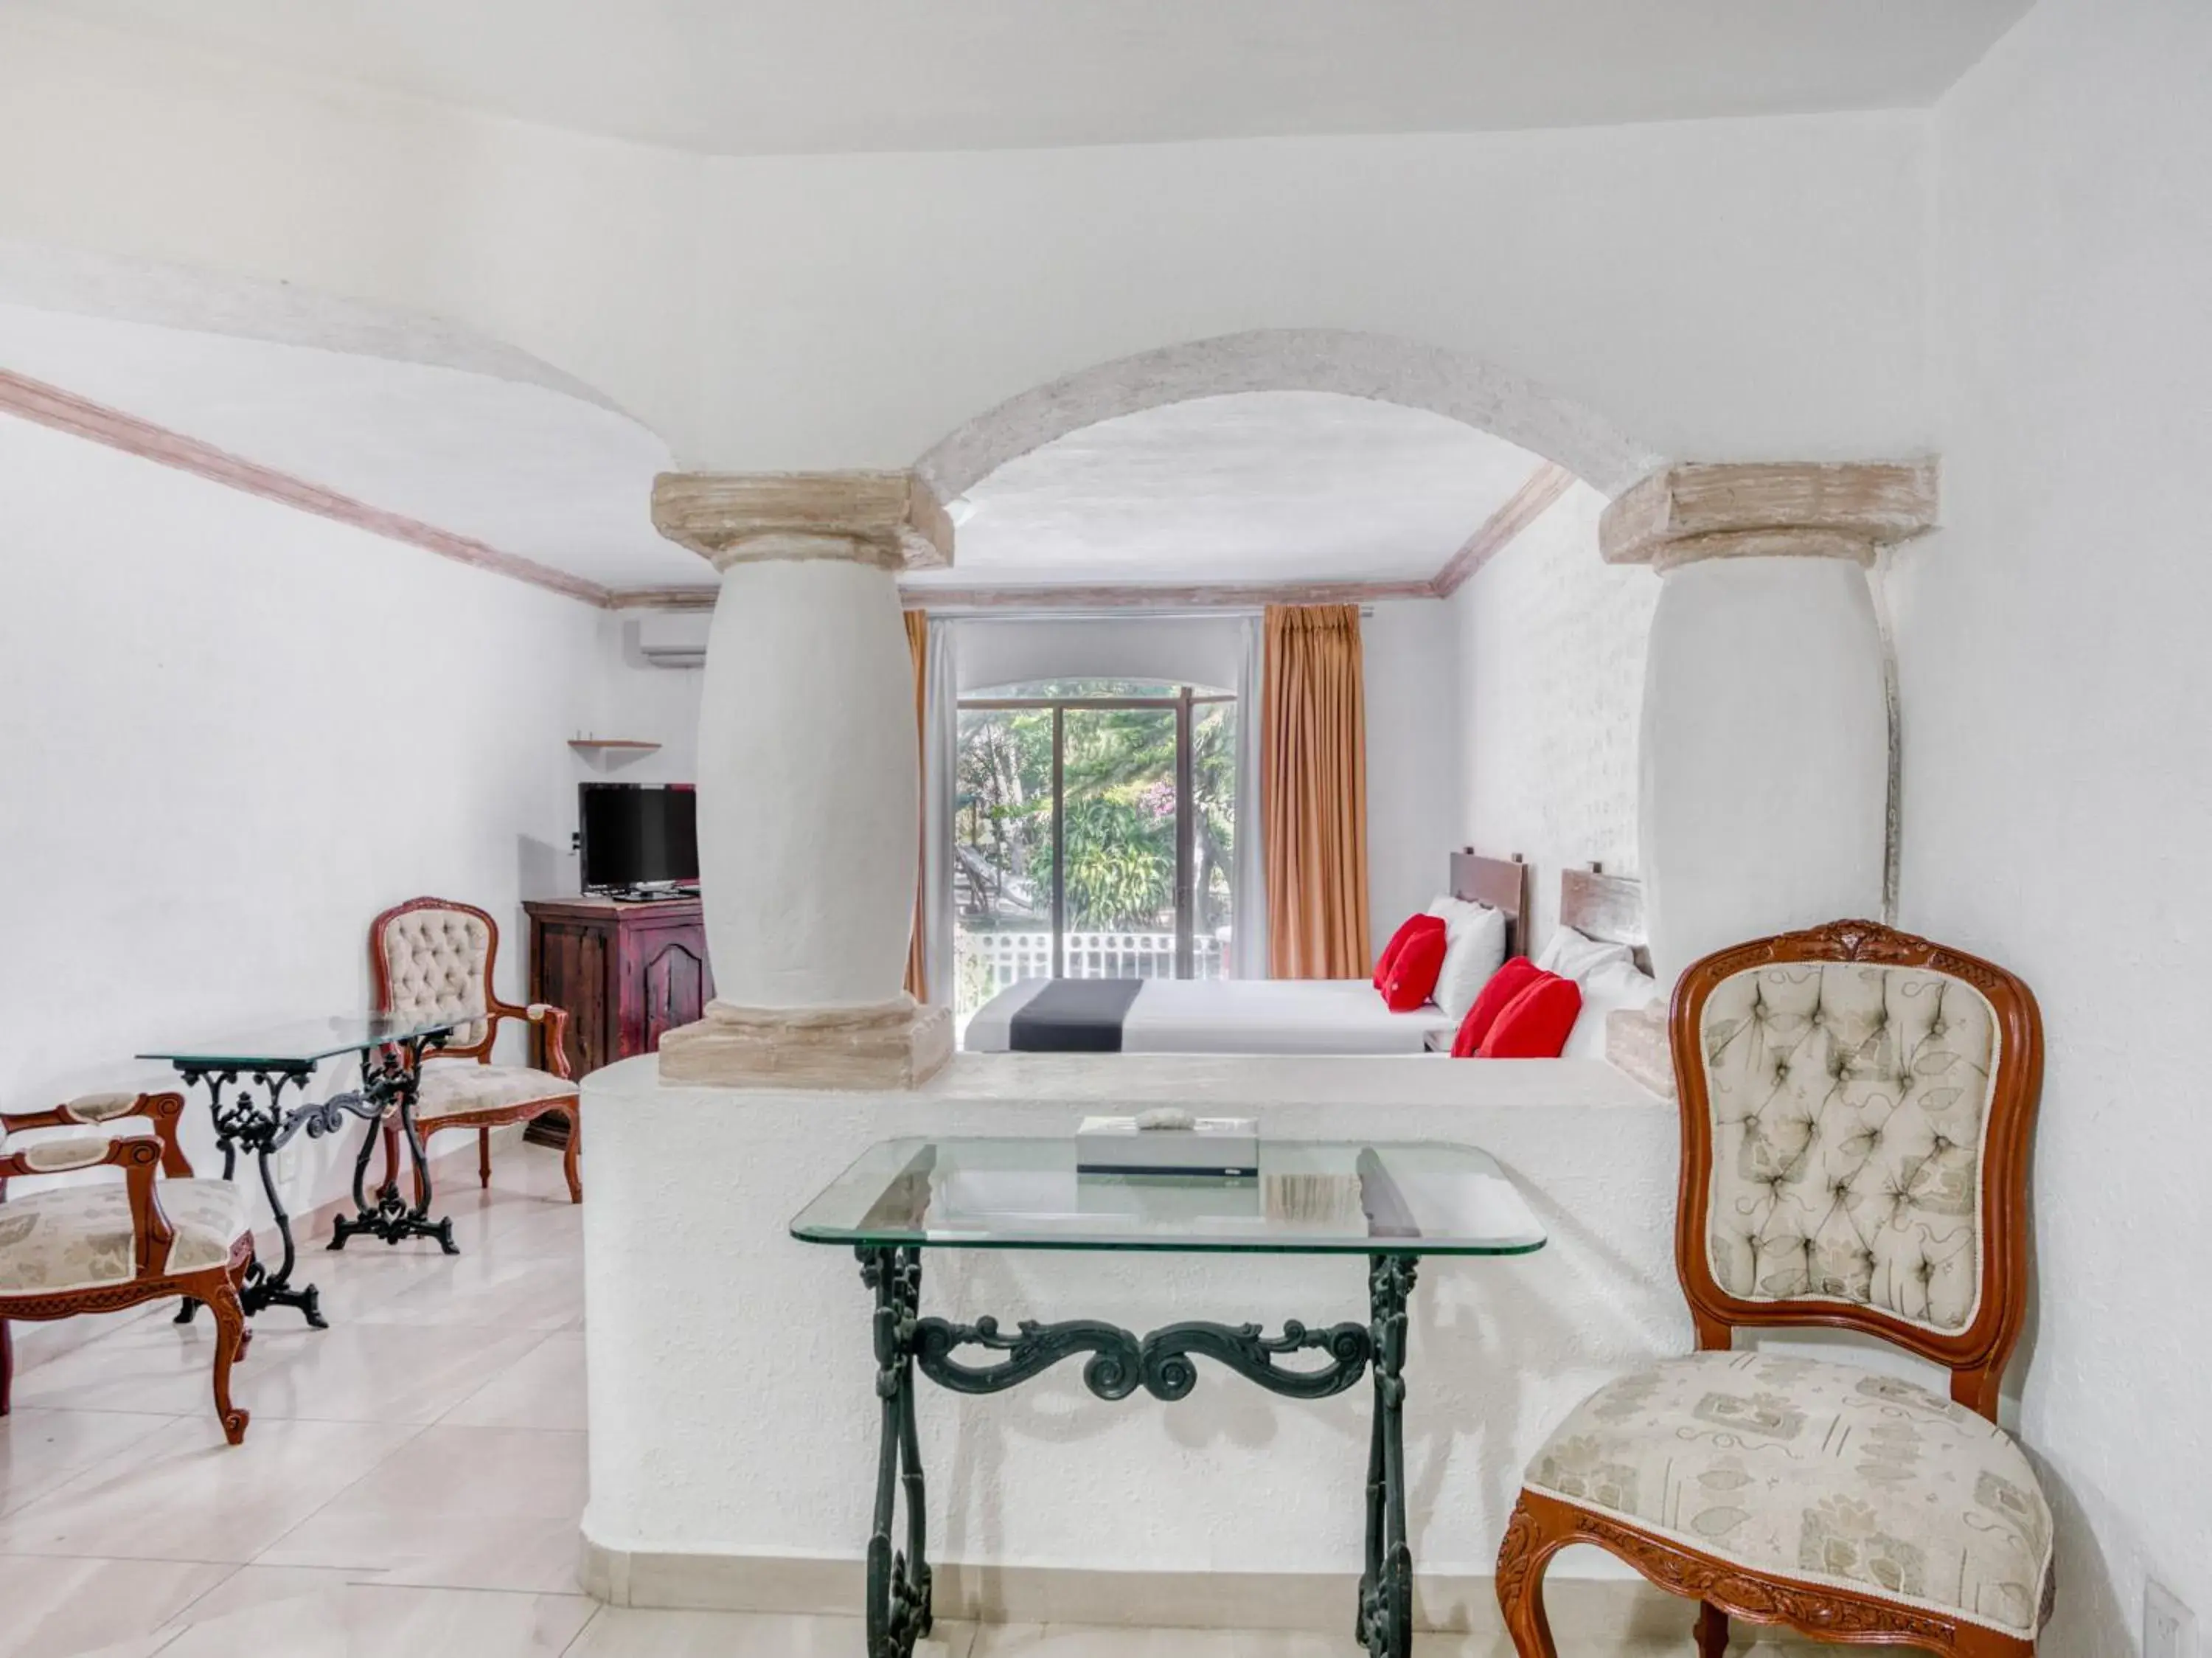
{"x": 917, "y": 645}
{"x": 1313, "y": 793}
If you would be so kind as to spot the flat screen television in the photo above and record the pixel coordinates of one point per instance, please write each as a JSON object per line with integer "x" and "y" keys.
{"x": 635, "y": 835}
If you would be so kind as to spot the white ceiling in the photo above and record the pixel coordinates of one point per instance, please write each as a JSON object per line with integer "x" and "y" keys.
{"x": 1255, "y": 486}
{"x": 756, "y": 77}
{"x": 529, "y": 470}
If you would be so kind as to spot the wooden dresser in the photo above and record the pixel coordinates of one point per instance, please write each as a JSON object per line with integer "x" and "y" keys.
{"x": 626, "y": 972}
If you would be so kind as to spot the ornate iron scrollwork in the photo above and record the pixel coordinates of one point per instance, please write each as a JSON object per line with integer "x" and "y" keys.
{"x": 898, "y": 1579}
{"x": 1121, "y": 1362}
{"x": 1169, "y": 1375}
{"x": 254, "y": 1118}
{"x": 389, "y": 1079}
{"x": 1163, "y": 1364}
{"x": 1385, "y": 1626}
{"x": 1110, "y": 1373}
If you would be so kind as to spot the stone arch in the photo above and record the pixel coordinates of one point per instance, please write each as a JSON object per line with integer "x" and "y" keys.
{"x": 1379, "y": 366}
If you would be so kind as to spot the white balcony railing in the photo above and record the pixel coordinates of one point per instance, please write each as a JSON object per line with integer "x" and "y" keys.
{"x": 1007, "y": 957}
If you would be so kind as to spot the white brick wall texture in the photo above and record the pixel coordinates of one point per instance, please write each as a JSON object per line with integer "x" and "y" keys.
{"x": 1551, "y": 662}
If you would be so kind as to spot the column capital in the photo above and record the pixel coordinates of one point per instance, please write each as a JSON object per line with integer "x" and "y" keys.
{"x": 1766, "y": 509}
{"x": 887, "y": 519}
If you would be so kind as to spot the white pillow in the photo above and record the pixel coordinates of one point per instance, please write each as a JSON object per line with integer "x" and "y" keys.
{"x": 1474, "y": 949}
{"x": 1572, "y": 955}
{"x": 1615, "y": 984}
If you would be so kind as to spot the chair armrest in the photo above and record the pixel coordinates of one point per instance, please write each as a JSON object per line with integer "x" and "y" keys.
{"x": 57, "y": 1153}
{"x": 556, "y": 1020}
{"x": 138, "y": 1156}
{"x": 163, "y": 1110}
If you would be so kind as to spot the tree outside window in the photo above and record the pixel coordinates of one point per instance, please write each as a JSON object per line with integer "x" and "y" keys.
{"x": 1093, "y": 834}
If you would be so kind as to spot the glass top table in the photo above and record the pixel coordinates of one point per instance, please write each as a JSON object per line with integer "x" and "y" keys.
{"x": 1392, "y": 1201}
{"x": 303, "y": 1042}
{"x": 1310, "y": 1197}
{"x": 256, "y": 1119}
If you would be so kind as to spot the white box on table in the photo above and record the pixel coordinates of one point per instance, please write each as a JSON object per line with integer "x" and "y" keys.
{"x": 1210, "y": 1145}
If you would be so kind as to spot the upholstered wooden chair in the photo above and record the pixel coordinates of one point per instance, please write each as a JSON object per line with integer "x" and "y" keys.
{"x": 433, "y": 955}
{"x": 1856, "y": 1105}
{"x": 99, "y": 1246}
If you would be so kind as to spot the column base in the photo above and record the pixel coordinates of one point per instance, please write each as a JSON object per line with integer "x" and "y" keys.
{"x": 891, "y": 1045}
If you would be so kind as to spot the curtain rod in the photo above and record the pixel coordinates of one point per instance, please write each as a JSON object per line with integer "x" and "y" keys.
{"x": 1197, "y": 613}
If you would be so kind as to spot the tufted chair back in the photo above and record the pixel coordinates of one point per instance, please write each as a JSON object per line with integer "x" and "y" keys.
{"x": 1856, "y": 1105}
{"x": 433, "y": 955}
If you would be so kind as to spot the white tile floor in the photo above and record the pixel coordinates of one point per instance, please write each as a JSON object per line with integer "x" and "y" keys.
{"x": 411, "y": 1482}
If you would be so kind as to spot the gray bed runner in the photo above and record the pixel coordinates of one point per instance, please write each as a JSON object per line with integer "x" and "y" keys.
{"x": 1073, "y": 1016}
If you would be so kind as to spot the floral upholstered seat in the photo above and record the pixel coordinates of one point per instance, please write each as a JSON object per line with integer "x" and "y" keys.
{"x": 75, "y": 1237}
{"x": 449, "y": 1090}
{"x": 1818, "y": 1472}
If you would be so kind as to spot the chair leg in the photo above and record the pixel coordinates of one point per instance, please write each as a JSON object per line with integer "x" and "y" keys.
{"x": 238, "y": 1280}
{"x": 1523, "y": 1559}
{"x": 1712, "y": 1631}
{"x": 483, "y": 1158}
{"x": 230, "y": 1340}
{"x": 569, "y": 1164}
{"x": 7, "y": 1365}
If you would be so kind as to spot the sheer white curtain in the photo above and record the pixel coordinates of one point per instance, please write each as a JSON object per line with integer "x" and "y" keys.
{"x": 941, "y": 757}
{"x": 1248, "y": 881}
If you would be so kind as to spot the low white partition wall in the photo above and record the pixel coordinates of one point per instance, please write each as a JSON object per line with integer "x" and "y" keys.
{"x": 733, "y": 1413}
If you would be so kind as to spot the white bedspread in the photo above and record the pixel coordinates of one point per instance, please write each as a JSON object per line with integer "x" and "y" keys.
{"x": 1225, "y": 1015}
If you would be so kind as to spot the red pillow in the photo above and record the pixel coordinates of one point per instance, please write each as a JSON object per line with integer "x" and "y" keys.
{"x": 1497, "y": 994}
{"x": 1413, "y": 924}
{"x": 1414, "y": 972}
{"x": 1536, "y": 1023}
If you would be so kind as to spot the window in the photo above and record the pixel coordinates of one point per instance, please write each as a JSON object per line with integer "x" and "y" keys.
{"x": 1094, "y": 825}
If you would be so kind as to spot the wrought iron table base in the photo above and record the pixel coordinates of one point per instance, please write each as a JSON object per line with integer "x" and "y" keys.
{"x": 263, "y": 1127}
{"x": 898, "y": 1588}
{"x": 394, "y": 1083}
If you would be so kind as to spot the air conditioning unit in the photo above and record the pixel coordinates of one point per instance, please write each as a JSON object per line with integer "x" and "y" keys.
{"x": 674, "y": 638}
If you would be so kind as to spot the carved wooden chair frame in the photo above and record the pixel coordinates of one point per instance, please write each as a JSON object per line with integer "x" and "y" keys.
{"x": 138, "y": 1156}
{"x": 1976, "y": 1357}
{"x": 556, "y": 1020}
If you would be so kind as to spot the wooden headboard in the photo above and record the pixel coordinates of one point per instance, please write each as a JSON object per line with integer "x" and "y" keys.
{"x": 1607, "y": 908}
{"x": 1502, "y": 884}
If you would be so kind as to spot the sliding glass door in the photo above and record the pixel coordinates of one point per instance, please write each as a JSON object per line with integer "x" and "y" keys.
{"x": 1093, "y": 832}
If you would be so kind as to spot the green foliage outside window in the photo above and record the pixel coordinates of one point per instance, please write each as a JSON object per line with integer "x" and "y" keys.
{"x": 1119, "y": 785}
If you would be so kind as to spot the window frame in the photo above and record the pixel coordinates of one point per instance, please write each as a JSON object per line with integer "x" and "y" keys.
{"x": 1185, "y": 705}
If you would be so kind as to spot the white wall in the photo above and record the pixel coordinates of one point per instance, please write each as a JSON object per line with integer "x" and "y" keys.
{"x": 1551, "y": 644}
{"x": 233, "y": 732}
{"x": 2057, "y": 758}
{"x": 635, "y": 699}
{"x": 1413, "y": 745}
{"x": 1203, "y": 650}
{"x": 851, "y": 310}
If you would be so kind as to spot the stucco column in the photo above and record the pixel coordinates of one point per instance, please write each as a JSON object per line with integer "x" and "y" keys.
{"x": 1765, "y": 768}
{"x": 809, "y": 780}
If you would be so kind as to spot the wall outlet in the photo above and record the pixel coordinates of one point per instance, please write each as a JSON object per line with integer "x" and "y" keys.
{"x": 287, "y": 1163}
{"x": 2169, "y": 1627}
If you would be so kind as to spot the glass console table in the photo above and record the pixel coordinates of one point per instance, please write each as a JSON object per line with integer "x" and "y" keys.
{"x": 392, "y": 1048}
{"x": 1391, "y": 1203}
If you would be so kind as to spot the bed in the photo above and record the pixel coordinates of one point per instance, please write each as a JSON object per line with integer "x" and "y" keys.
{"x": 1275, "y": 1015}
{"x": 1606, "y": 909}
